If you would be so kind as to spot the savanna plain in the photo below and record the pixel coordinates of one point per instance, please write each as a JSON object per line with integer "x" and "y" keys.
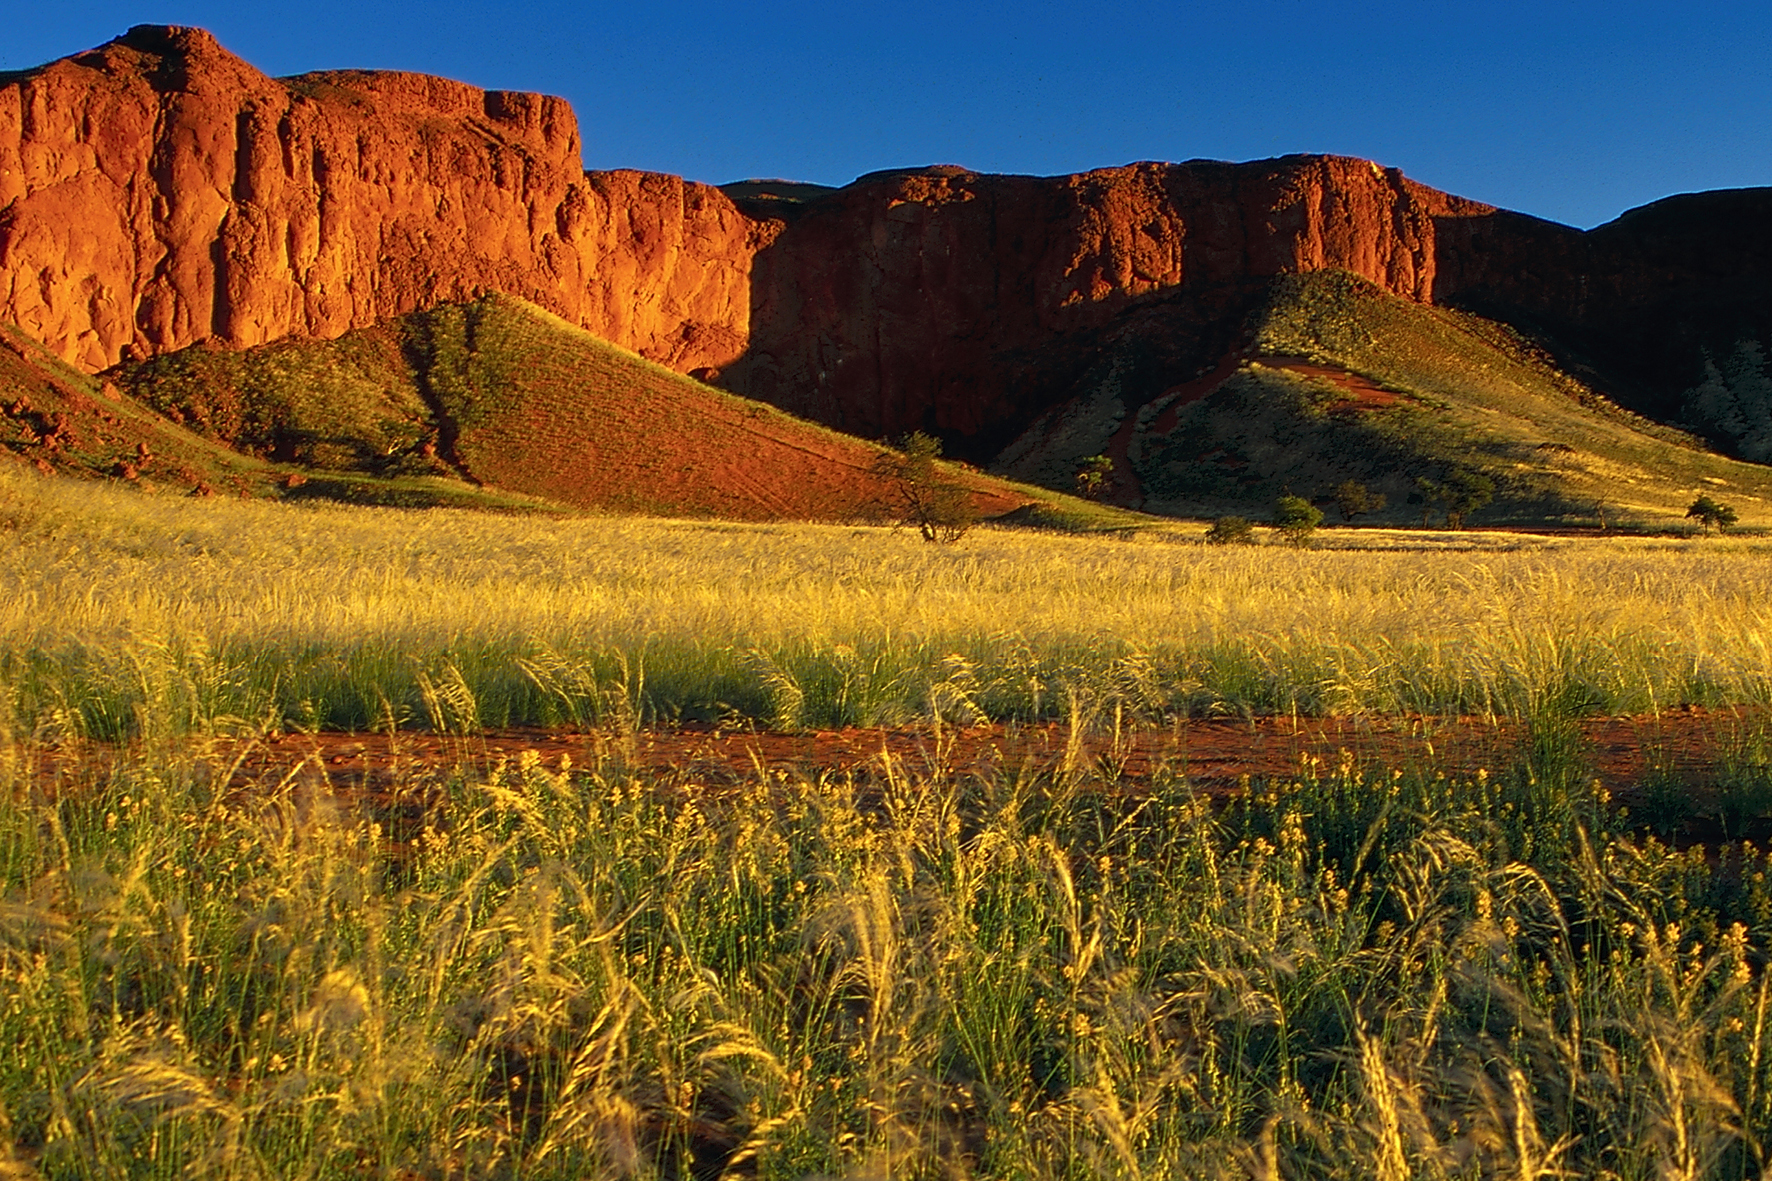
{"x": 531, "y": 967}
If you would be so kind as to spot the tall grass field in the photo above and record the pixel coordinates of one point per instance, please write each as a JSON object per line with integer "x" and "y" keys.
{"x": 122, "y": 615}
{"x": 546, "y": 970}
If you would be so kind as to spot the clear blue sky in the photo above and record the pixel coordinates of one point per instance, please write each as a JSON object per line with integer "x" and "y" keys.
{"x": 1572, "y": 111}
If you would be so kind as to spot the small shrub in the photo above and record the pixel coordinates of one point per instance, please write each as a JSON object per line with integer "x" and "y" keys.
{"x": 1464, "y": 492}
{"x": 1744, "y": 797}
{"x": 1666, "y": 804}
{"x": 1092, "y": 475}
{"x": 1231, "y": 531}
{"x": 1296, "y": 518}
{"x": 920, "y": 492}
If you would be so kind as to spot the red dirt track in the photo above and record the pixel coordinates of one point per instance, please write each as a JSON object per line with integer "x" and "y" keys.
{"x": 1215, "y": 753}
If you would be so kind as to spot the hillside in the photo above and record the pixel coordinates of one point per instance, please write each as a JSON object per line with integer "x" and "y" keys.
{"x": 1005, "y": 314}
{"x": 1338, "y": 380}
{"x": 63, "y": 422}
{"x": 505, "y": 395}
{"x": 60, "y": 420}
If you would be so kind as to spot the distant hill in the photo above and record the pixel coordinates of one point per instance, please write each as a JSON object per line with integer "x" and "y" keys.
{"x": 502, "y": 394}
{"x": 996, "y": 312}
{"x": 1336, "y": 379}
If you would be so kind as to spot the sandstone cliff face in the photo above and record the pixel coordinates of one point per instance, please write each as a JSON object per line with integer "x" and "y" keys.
{"x": 934, "y": 298}
{"x": 158, "y": 191}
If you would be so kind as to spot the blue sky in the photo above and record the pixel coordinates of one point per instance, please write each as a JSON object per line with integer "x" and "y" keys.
{"x": 1571, "y": 111}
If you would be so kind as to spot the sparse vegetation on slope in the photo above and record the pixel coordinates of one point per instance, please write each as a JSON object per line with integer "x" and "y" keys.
{"x": 1349, "y": 383}
{"x": 508, "y": 396}
{"x": 345, "y": 405}
{"x": 58, "y": 419}
{"x": 217, "y": 443}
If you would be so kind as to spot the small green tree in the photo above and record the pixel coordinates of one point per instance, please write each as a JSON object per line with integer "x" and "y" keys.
{"x": 1092, "y": 475}
{"x": 1428, "y": 494}
{"x": 1231, "y": 531}
{"x": 920, "y": 492}
{"x": 1296, "y": 518}
{"x": 1464, "y": 492}
{"x": 1354, "y": 499}
{"x": 1711, "y": 514}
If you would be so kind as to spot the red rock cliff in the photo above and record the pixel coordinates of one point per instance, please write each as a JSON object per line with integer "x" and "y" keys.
{"x": 905, "y": 299}
{"x": 158, "y": 191}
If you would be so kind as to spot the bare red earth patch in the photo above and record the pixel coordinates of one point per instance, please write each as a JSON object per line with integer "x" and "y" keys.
{"x": 1215, "y": 754}
{"x": 1362, "y": 393}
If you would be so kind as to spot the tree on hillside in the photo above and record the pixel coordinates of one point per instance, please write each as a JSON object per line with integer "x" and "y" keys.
{"x": 1466, "y": 492}
{"x": 1427, "y": 494}
{"x": 1092, "y": 475}
{"x": 1711, "y": 514}
{"x": 1463, "y": 492}
{"x": 920, "y": 493}
{"x": 1354, "y": 499}
{"x": 1296, "y": 518}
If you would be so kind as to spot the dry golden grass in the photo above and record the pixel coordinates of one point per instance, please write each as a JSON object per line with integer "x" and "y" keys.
{"x": 552, "y": 972}
{"x": 113, "y": 603}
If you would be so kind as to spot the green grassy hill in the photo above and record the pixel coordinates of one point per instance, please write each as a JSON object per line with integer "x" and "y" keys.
{"x": 1341, "y": 381}
{"x": 499, "y": 404}
{"x": 503, "y": 395}
{"x": 64, "y": 422}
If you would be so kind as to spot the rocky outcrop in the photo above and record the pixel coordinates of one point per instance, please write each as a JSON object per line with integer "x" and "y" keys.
{"x": 158, "y": 191}
{"x": 954, "y": 301}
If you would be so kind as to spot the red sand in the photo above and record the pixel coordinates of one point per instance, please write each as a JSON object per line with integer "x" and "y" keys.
{"x": 1214, "y": 753}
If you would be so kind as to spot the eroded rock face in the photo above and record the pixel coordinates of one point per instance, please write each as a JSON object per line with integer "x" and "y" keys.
{"x": 954, "y": 301}
{"x": 158, "y": 191}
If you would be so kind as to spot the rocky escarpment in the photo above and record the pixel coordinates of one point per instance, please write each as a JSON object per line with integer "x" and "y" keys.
{"x": 1641, "y": 305}
{"x": 158, "y": 191}
{"x": 967, "y": 303}
{"x": 958, "y": 302}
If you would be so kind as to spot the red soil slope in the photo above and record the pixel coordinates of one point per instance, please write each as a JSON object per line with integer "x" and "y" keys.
{"x": 61, "y": 421}
{"x": 506, "y": 395}
{"x": 573, "y": 419}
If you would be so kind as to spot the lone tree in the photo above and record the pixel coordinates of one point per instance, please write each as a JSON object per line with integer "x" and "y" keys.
{"x": 1463, "y": 492}
{"x": 1092, "y": 475}
{"x": 921, "y": 494}
{"x": 1711, "y": 514}
{"x": 1354, "y": 499}
{"x": 1296, "y": 518}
